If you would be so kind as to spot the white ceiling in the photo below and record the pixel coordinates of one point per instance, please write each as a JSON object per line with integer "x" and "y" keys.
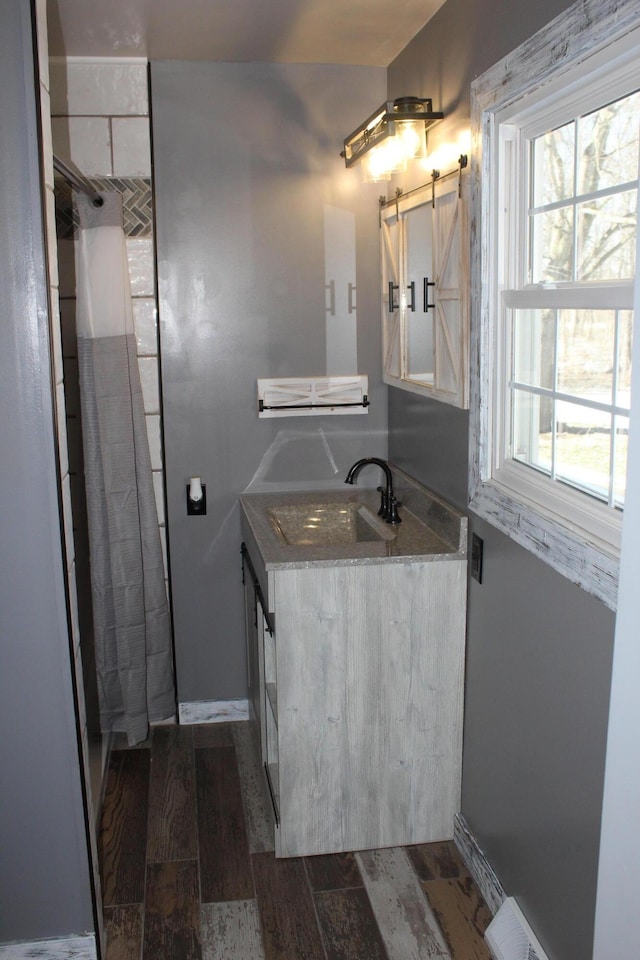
{"x": 364, "y": 32}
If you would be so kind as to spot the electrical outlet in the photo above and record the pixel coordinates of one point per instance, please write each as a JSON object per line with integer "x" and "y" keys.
{"x": 477, "y": 550}
{"x": 197, "y": 508}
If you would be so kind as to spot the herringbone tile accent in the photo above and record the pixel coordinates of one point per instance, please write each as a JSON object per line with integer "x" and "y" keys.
{"x": 136, "y": 205}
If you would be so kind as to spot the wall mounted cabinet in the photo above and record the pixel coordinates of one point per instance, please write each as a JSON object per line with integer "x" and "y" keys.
{"x": 425, "y": 292}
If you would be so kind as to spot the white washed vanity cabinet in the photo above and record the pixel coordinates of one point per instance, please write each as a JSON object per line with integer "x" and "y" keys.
{"x": 358, "y": 691}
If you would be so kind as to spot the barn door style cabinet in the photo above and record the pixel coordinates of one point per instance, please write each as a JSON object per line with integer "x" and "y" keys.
{"x": 425, "y": 291}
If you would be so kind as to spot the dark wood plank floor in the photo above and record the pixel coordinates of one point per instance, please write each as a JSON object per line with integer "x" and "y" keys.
{"x": 186, "y": 875}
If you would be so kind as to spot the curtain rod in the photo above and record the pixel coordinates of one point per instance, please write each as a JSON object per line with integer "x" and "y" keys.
{"x": 76, "y": 180}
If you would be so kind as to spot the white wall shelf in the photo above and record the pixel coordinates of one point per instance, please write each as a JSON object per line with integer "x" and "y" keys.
{"x": 313, "y": 396}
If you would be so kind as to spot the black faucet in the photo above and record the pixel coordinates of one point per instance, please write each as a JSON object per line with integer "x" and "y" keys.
{"x": 388, "y": 503}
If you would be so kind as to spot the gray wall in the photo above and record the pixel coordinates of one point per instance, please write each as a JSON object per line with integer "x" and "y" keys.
{"x": 247, "y": 167}
{"x": 44, "y": 878}
{"x": 539, "y": 648}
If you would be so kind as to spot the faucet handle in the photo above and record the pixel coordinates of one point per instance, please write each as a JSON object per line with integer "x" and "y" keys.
{"x": 392, "y": 511}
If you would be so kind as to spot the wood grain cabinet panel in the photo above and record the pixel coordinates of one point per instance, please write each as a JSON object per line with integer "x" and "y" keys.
{"x": 361, "y": 703}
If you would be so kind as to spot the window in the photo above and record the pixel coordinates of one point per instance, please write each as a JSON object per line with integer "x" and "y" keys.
{"x": 554, "y": 275}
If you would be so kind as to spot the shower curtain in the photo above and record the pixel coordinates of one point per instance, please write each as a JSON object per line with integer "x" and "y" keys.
{"x": 132, "y": 629}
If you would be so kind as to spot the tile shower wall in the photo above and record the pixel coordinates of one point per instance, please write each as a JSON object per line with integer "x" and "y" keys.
{"x": 100, "y": 122}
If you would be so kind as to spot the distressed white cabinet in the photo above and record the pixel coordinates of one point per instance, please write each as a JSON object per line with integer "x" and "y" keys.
{"x": 359, "y": 700}
{"x": 425, "y": 292}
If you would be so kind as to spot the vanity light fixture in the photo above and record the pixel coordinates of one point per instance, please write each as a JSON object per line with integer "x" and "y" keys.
{"x": 394, "y": 134}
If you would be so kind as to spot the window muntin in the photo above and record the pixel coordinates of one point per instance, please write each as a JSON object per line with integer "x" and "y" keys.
{"x": 567, "y": 366}
{"x": 583, "y": 189}
{"x": 569, "y": 396}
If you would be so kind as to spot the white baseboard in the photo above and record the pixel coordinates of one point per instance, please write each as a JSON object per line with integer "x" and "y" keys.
{"x": 213, "y": 711}
{"x": 74, "y": 948}
{"x": 478, "y": 865}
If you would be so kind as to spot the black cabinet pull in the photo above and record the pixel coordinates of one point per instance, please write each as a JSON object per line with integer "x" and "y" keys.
{"x": 427, "y": 283}
{"x": 392, "y": 305}
{"x": 258, "y": 597}
{"x": 351, "y": 300}
{"x": 412, "y": 301}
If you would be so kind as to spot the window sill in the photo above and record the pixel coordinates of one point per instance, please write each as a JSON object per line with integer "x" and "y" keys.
{"x": 567, "y": 550}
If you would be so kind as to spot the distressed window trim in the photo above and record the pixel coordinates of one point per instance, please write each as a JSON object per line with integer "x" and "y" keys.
{"x": 583, "y": 34}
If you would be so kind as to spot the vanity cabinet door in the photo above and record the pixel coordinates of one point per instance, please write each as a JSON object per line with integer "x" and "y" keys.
{"x": 261, "y": 675}
{"x": 370, "y": 663}
{"x": 254, "y": 656}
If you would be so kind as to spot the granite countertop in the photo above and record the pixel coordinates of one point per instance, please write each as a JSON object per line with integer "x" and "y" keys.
{"x": 430, "y": 529}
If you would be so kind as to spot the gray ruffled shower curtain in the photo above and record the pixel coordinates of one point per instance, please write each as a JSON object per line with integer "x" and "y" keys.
{"x": 132, "y": 630}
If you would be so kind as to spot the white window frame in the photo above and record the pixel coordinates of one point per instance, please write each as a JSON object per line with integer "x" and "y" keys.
{"x": 574, "y": 533}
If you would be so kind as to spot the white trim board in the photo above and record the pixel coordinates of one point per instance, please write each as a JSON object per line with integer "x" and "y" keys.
{"x": 478, "y": 865}
{"x": 73, "y": 948}
{"x": 212, "y": 711}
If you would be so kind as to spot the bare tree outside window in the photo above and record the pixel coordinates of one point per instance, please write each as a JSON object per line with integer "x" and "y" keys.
{"x": 572, "y": 367}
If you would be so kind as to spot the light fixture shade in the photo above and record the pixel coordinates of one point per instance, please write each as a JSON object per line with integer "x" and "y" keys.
{"x": 393, "y": 134}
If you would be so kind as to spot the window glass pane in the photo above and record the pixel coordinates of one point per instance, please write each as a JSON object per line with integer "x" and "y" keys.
{"x": 608, "y": 145}
{"x": 553, "y": 160}
{"x": 606, "y": 237}
{"x": 586, "y": 340}
{"x": 534, "y": 347}
{"x": 583, "y": 448}
{"x": 570, "y": 369}
{"x": 625, "y": 336}
{"x": 532, "y": 418}
{"x": 620, "y": 460}
{"x": 552, "y": 246}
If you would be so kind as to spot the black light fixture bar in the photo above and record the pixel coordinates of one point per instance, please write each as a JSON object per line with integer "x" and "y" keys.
{"x": 382, "y": 124}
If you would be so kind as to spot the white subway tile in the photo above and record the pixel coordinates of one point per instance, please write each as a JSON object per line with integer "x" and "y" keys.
{"x": 141, "y": 269}
{"x": 155, "y": 442}
{"x": 60, "y": 137}
{"x": 145, "y": 320}
{"x": 131, "y": 147}
{"x": 85, "y": 141}
{"x": 150, "y": 387}
{"x": 96, "y": 88}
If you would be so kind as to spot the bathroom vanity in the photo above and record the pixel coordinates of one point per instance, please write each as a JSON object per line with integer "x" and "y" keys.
{"x": 355, "y": 633}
